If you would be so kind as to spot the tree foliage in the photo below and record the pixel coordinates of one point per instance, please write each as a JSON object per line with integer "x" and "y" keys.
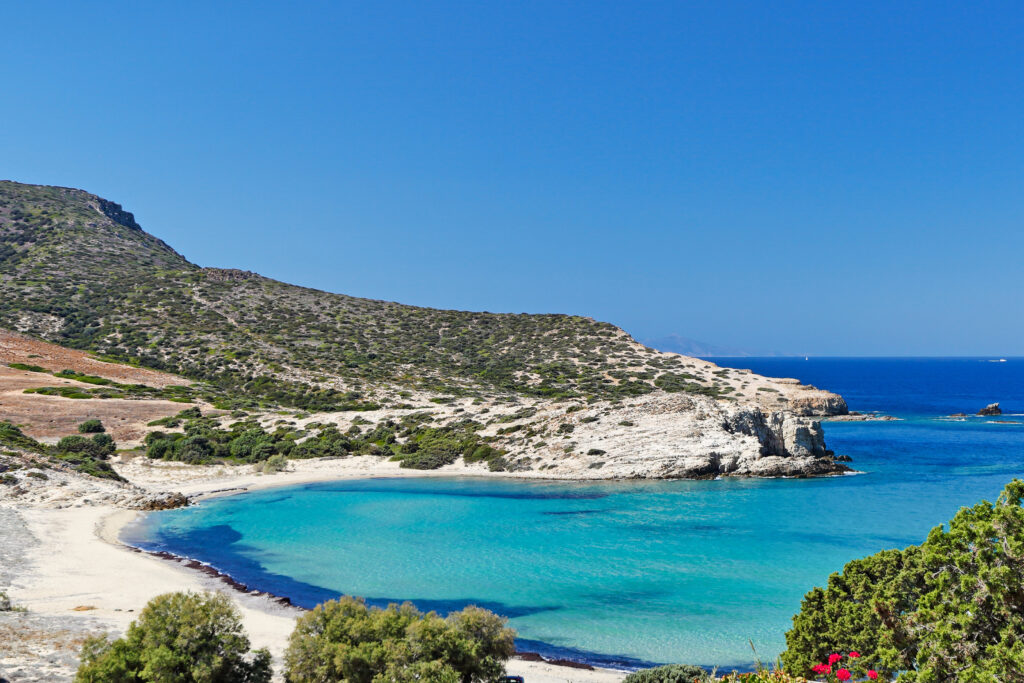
{"x": 671, "y": 673}
{"x": 344, "y": 640}
{"x": 91, "y": 427}
{"x": 178, "y": 638}
{"x": 949, "y": 610}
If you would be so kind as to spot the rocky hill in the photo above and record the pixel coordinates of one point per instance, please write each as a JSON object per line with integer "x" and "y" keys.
{"x": 561, "y": 395}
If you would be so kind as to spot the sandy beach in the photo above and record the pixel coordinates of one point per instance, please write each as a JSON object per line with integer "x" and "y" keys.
{"x": 76, "y": 569}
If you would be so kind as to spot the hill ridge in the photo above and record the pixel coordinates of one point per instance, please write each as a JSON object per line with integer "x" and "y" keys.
{"x": 560, "y": 395}
{"x": 78, "y": 270}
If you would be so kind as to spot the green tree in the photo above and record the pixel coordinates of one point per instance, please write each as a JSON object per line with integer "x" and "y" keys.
{"x": 193, "y": 449}
{"x": 344, "y": 640}
{"x": 969, "y": 622}
{"x": 252, "y": 445}
{"x": 948, "y": 611}
{"x": 847, "y": 615}
{"x": 178, "y": 638}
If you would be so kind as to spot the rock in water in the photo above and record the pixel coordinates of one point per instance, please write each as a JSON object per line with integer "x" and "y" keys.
{"x": 991, "y": 409}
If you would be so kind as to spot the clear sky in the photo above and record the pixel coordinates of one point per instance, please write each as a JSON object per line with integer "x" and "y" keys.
{"x": 819, "y": 177}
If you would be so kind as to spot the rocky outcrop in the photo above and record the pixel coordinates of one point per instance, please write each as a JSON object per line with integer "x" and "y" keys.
{"x": 162, "y": 501}
{"x": 820, "y": 403}
{"x": 116, "y": 213}
{"x": 991, "y": 409}
{"x": 674, "y": 437}
{"x": 228, "y": 274}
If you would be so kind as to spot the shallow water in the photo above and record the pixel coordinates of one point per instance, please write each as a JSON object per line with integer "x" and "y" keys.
{"x": 633, "y": 572}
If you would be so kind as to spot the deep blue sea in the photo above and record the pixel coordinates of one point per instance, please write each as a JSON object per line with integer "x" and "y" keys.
{"x": 628, "y": 573}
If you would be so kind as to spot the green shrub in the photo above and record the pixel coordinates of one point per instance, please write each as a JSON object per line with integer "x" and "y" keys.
{"x": 344, "y": 640}
{"x": 91, "y": 427}
{"x": 274, "y": 464}
{"x": 82, "y": 377}
{"x": 951, "y": 609}
{"x": 94, "y": 447}
{"x": 27, "y": 368}
{"x": 672, "y": 673}
{"x": 179, "y": 638}
{"x": 194, "y": 450}
{"x": 11, "y": 435}
{"x": 104, "y": 444}
{"x": 428, "y": 460}
{"x": 762, "y": 676}
{"x": 252, "y": 445}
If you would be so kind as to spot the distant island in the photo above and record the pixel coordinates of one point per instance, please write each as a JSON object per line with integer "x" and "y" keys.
{"x": 677, "y": 343}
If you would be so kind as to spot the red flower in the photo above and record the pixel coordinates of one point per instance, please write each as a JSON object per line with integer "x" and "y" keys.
{"x": 872, "y": 674}
{"x": 821, "y": 668}
{"x": 843, "y": 675}
{"x": 832, "y": 659}
{"x": 855, "y": 654}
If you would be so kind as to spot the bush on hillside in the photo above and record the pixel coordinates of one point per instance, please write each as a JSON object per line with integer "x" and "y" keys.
{"x": 179, "y": 637}
{"x": 672, "y": 673}
{"x": 951, "y": 609}
{"x": 344, "y": 640}
{"x": 100, "y": 446}
{"x": 91, "y": 427}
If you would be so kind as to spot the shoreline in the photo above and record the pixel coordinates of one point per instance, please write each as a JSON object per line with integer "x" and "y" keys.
{"x": 208, "y": 570}
{"x": 79, "y": 567}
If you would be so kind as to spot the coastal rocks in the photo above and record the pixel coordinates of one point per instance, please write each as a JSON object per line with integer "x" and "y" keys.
{"x": 679, "y": 437}
{"x": 991, "y": 409}
{"x": 162, "y": 501}
{"x": 821, "y": 403}
{"x": 802, "y": 438}
{"x": 861, "y": 417}
{"x": 779, "y": 433}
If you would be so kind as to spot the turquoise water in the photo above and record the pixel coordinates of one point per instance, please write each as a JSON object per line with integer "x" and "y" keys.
{"x": 630, "y": 572}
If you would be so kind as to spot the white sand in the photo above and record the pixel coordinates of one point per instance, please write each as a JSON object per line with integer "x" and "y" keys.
{"x": 80, "y": 563}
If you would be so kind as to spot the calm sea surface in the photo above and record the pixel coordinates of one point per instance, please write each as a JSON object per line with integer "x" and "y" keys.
{"x": 634, "y": 572}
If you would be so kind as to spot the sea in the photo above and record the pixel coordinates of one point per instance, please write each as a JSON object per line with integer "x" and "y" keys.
{"x": 633, "y": 573}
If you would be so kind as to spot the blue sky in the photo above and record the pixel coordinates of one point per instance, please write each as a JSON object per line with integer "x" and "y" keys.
{"x": 820, "y": 177}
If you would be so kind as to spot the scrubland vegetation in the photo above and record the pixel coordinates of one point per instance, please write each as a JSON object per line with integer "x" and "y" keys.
{"x": 412, "y": 441}
{"x": 179, "y": 637}
{"x": 87, "y": 454}
{"x": 199, "y": 638}
{"x": 80, "y": 272}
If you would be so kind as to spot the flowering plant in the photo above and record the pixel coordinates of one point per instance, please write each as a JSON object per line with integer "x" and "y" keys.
{"x": 838, "y": 670}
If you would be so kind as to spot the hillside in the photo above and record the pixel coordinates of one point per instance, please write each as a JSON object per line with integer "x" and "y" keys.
{"x": 78, "y": 270}
{"x": 548, "y": 395}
